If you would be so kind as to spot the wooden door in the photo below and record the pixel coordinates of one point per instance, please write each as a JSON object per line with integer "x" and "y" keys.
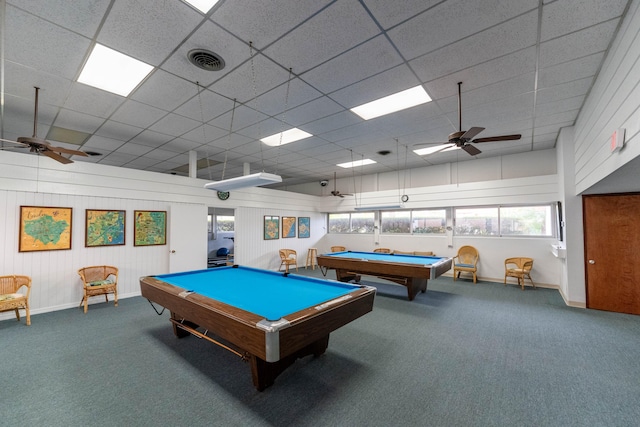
{"x": 612, "y": 252}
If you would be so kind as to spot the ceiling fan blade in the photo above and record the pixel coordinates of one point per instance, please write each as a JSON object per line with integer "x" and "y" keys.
{"x": 9, "y": 140}
{"x": 498, "y": 138}
{"x": 471, "y": 149}
{"x": 471, "y": 133}
{"x": 67, "y": 151}
{"x": 57, "y": 157}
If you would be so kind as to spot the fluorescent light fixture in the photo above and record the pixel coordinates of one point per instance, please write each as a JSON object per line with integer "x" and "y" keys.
{"x": 378, "y": 208}
{"x": 113, "y": 71}
{"x": 357, "y": 163}
{"x": 253, "y": 180}
{"x": 286, "y": 137}
{"x": 203, "y": 6}
{"x": 392, "y": 103}
{"x": 436, "y": 149}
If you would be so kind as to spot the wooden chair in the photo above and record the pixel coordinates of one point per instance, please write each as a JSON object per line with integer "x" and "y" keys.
{"x": 382, "y": 250}
{"x": 338, "y": 249}
{"x": 466, "y": 261}
{"x": 11, "y": 299}
{"x": 288, "y": 257}
{"x": 99, "y": 280}
{"x": 520, "y": 268}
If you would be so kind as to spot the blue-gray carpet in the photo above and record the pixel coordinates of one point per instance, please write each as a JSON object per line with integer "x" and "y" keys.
{"x": 458, "y": 355}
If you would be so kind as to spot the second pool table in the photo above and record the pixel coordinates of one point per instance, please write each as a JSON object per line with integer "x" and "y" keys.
{"x": 412, "y": 271}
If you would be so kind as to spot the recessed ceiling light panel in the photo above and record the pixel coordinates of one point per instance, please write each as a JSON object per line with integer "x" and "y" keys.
{"x": 392, "y": 103}
{"x": 286, "y": 137}
{"x": 203, "y": 6}
{"x": 357, "y": 163}
{"x": 113, "y": 71}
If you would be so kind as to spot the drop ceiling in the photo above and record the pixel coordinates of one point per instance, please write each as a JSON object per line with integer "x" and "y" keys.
{"x": 526, "y": 67}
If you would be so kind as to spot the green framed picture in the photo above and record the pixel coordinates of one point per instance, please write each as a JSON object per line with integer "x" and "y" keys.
{"x": 104, "y": 228}
{"x": 271, "y": 227}
{"x": 304, "y": 227}
{"x": 149, "y": 228}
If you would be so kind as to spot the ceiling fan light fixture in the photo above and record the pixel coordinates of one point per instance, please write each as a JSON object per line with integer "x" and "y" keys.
{"x": 113, "y": 71}
{"x": 392, "y": 103}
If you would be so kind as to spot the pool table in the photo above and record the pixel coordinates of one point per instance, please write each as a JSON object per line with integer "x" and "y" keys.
{"x": 265, "y": 317}
{"x": 411, "y": 271}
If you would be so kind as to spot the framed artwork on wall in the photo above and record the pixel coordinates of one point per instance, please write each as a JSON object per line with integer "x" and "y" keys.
{"x": 104, "y": 228}
{"x": 271, "y": 227}
{"x": 149, "y": 228}
{"x": 44, "y": 228}
{"x": 304, "y": 227}
{"x": 288, "y": 227}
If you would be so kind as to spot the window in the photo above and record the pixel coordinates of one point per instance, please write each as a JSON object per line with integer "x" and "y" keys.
{"x": 505, "y": 221}
{"x": 225, "y": 223}
{"x": 433, "y": 221}
{"x": 360, "y": 222}
{"x": 395, "y": 221}
{"x": 526, "y": 221}
{"x": 476, "y": 221}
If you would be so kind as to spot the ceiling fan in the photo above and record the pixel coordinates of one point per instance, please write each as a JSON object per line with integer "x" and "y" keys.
{"x": 41, "y": 146}
{"x": 464, "y": 139}
{"x": 336, "y": 192}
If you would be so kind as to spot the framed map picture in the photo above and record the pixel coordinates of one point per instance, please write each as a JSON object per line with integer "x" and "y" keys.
{"x": 149, "y": 228}
{"x": 271, "y": 227}
{"x": 304, "y": 227}
{"x": 44, "y": 228}
{"x": 288, "y": 227}
{"x": 104, "y": 228}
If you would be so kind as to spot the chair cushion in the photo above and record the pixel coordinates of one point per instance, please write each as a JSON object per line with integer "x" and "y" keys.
{"x": 222, "y": 252}
{"x": 465, "y": 265}
{"x": 101, "y": 282}
{"x": 6, "y": 297}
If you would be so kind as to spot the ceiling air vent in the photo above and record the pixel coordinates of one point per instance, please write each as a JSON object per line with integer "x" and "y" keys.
{"x": 206, "y": 60}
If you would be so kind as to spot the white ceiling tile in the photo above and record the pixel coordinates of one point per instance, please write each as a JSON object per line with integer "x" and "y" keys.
{"x": 205, "y": 105}
{"x": 516, "y": 34}
{"x": 373, "y": 57}
{"x": 341, "y": 26}
{"x": 102, "y": 144}
{"x": 164, "y": 91}
{"x": 151, "y": 138}
{"x": 60, "y": 51}
{"x": 138, "y": 114}
{"x": 455, "y": 20}
{"x": 119, "y": 131}
{"x": 389, "y": 13}
{"x": 175, "y": 125}
{"x": 209, "y": 133}
{"x": 145, "y": 31}
{"x": 133, "y": 149}
{"x": 563, "y": 17}
{"x": 89, "y": 100}
{"x": 576, "y": 45}
{"x": 299, "y": 93}
{"x": 571, "y": 70}
{"x": 241, "y": 17}
{"x": 81, "y": 17}
{"x": 78, "y": 121}
{"x": 563, "y": 91}
{"x": 319, "y": 108}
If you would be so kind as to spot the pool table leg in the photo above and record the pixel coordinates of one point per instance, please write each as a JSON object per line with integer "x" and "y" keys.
{"x": 264, "y": 373}
{"x": 415, "y": 284}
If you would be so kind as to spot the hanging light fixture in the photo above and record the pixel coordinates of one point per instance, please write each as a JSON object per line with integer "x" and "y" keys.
{"x": 252, "y": 180}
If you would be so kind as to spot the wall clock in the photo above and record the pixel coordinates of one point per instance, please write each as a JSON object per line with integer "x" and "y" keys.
{"x": 223, "y": 195}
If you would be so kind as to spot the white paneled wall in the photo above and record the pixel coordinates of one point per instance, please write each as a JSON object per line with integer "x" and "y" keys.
{"x": 611, "y": 104}
{"x": 55, "y": 282}
{"x": 251, "y": 248}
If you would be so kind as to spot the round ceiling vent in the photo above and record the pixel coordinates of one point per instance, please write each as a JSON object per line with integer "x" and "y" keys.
{"x": 206, "y": 60}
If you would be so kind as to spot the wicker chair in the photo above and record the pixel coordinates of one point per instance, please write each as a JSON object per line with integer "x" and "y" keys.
{"x": 338, "y": 249}
{"x": 520, "y": 268}
{"x": 99, "y": 280}
{"x": 288, "y": 257}
{"x": 466, "y": 261}
{"x": 11, "y": 299}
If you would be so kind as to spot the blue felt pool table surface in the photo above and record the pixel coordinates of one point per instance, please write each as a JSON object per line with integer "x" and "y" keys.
{"x": 270, "y": 294}
{"x": 398, "y": 258}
